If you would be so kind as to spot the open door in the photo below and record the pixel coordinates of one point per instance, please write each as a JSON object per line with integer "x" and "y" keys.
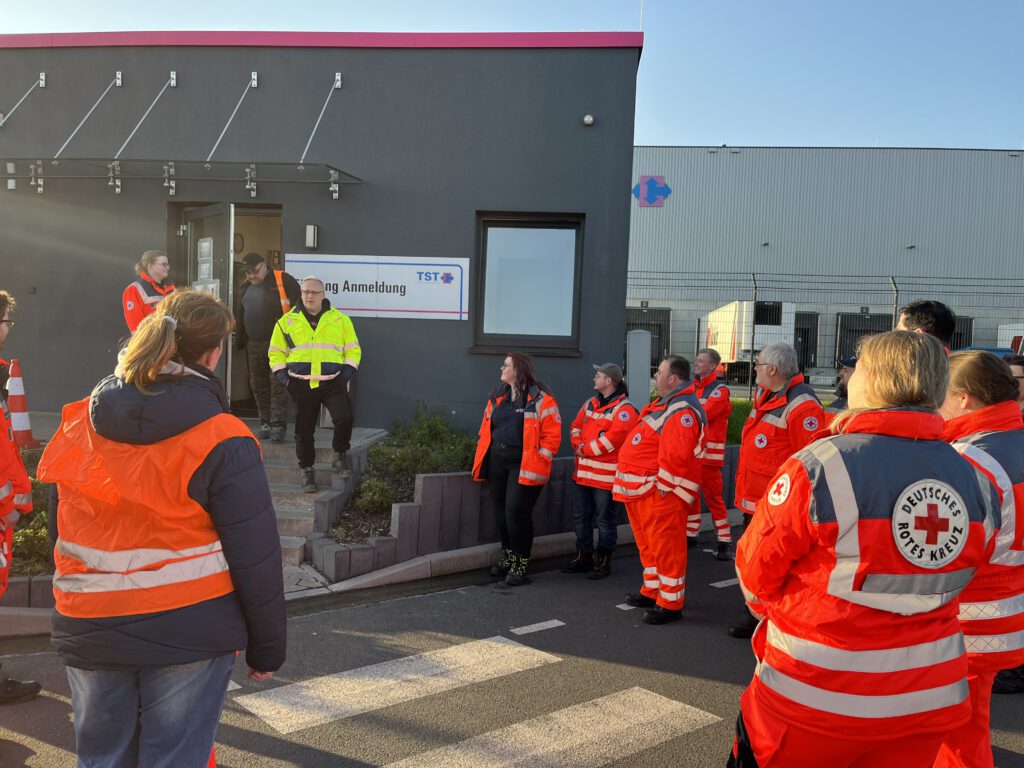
{"x": 211, "y": 232}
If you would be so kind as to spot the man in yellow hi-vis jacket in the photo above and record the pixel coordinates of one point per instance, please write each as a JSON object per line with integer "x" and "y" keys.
{"x": 314, "y": 353}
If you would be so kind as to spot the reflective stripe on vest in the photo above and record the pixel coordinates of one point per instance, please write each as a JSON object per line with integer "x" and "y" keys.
{"x": 286, "y": 304}
{"x": 855, "y": 705}
{"x": 995, "y": 609}
{"x": 1003, "y": 553}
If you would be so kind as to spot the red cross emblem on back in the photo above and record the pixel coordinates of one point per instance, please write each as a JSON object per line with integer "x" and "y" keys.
{"x": 932, "y": 524}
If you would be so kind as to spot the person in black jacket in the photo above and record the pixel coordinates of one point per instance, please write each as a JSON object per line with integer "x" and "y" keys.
{"x": 260, "y": 305}
{"x": 167, "y": 554}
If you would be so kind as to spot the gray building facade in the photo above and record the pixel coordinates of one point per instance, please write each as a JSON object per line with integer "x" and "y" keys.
{"x": 420, "y": 146}
{"x": 845, "y": 234}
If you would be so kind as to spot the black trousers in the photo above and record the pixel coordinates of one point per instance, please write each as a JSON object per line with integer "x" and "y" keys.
{"x": 513, "y": 502}
{"x": 333, "y": 395}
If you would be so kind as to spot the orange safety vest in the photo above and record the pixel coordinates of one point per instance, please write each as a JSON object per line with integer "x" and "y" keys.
{"x": 286, "y": 305}
{"x": 131, "y": 539}
{"x": 716, "y": 401}
{"x": 542, "y": 434}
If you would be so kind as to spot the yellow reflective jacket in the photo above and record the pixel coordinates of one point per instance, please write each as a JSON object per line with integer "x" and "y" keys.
{"x": 314, "y": 355}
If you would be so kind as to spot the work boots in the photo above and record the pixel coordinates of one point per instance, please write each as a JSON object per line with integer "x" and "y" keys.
{"x": 15, "y": 692}
{"x": 602, "y": 565}
{"x": 723, "y": 551}
{"x": 277, "y": 433}
{"x": 264, "y": 431}
{"x": 309, "y": 480}
{"x": 582, "y": 563}
{"x": 516, "y": 576}
{"x": 338, "y": 463}
{"x": 501, "y": 567}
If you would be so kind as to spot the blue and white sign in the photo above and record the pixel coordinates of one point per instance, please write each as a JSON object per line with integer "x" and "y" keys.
{"x": 389, "y": 286}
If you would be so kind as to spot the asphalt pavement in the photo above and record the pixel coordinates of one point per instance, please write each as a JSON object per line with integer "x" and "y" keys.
{"x": 464, "y": 672}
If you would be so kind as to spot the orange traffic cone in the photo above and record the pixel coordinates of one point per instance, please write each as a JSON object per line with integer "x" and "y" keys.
{"x": 18, "y": 406}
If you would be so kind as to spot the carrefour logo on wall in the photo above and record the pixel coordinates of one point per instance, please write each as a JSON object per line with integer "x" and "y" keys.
{"x": 651, "y": 191}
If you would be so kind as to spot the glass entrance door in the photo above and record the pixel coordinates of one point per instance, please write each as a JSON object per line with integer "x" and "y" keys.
{"x": 211, "y": 232}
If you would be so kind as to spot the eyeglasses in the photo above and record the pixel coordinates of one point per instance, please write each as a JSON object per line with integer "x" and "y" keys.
{"x": 255, "y": 270}
{"x": 311, "y": 293}
{"x": 10, "y": 323}
{"x": 760, "y": 365}
{"x": 161, "y": 264}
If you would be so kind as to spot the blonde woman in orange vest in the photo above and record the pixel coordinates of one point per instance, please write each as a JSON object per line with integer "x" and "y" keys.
{"x": 167, "y": 557}
{"x": 519, "y": 437}
{"x": 140, "y": 298}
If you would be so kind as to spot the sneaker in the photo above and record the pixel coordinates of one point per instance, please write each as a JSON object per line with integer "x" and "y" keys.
{"x": 1009, "y": 681}
{"x": 309, "y": 480}
{"x": 15, "y": 692}
{"x": 264, "y": 431}
{"x": 338, "y": 463}
{"x": 602, "y": 566}
{"x": 582, "y": 563}
{"x": 659, "y": 615}
{"x": 723, "y": 551}
{"x": 640, "y": 601}
{"x": 277, "y": 433}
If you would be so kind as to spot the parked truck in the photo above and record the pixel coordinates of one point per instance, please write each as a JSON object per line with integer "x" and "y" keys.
{"x": 741, "y": 329}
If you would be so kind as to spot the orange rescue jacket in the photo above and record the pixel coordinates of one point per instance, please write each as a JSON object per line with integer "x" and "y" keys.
{"x": 131, "y": 540}
{"x": 597, "y": 433}
{"x": 715, "y": 400}
{"x": 542, "y": 434}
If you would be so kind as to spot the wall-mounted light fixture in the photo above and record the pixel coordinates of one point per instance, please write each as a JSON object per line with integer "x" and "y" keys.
{"x": 312, "y": 232}
{"x": 588, "y": 119}
{"x": 911, "y": 247}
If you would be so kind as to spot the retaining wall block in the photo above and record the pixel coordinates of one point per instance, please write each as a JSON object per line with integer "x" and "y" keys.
{"x": 469, "y": 511}
{"x": 327, "y": 505}
{"x": 451, "y": 512}
{"x": 384, "y": 551}
{"x": 320, "y": 543}
{"x": 488, "y": 529}
{"x": 17, "y": 594}
{"x": 336, "y": 562}
{"x": 360, "y": 559}
{"x": 41, "y": 591}
{"x": 405, "y": 528}
{"x": 429, "y": 491}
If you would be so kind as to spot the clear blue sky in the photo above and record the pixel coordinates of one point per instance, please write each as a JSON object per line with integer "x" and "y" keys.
{"x": 907, "y": 73}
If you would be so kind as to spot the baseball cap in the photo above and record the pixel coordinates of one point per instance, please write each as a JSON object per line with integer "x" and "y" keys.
{"x": 611, "y": 370}
{"x": 250, "y": 261}
{"x": 847, "y": 362}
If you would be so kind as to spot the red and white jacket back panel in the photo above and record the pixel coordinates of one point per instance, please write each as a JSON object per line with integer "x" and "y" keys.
{"x": 715, "y": 399}
{"x": 664, "y": 450}
{"x": 596, "y": 434}
{"x": 856, "y": 556}
{"x": 992, "y": 605}
{"x": 779, "y": 425}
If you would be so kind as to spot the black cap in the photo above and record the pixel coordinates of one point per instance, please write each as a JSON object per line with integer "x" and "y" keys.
{"x": 847, "y": 362}
{"x": 250, "y": 261}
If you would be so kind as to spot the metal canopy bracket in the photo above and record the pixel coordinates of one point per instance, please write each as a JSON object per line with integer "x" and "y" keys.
{"x": 316, "y": 126}
{"x": 116, "y": 80}
{"x": 253, "y": 79}
{"x": 40, "y": 83}
{"x": 250, "y": 179}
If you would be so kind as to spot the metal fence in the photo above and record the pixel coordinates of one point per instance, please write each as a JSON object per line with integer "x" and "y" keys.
{"x": 822, "y": 316}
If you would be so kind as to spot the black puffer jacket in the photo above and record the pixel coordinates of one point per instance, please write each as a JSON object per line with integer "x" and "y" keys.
{"x": 231, "y": 485}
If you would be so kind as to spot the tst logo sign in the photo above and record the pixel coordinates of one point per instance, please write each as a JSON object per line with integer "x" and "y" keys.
{"x": 435, "y": 277}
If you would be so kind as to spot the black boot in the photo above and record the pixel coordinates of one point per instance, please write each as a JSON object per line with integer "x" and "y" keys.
{"x": 15, "y": 692}
{"x": 744, "y": 629}
{"x": 723, "y": 551}
{"x": 500, "y": 568}
{"x": 602, "y": 565}
{"x": 516, "y": 576}
{"x": 582, "y": 563}
{"x": 638, "y": 600}
{"x": 309, "y": 480}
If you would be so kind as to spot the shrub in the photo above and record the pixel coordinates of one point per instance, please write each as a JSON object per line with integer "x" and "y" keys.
{"x": 426, "y": 444}
{"x": 740, "y": 412}
{"x": 31, "y": 549}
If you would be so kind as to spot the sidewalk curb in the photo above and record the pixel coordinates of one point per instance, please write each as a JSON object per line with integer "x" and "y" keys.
{"x": 25, "y": 622}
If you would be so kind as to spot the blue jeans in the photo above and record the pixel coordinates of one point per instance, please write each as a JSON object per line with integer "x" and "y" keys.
{"x": 595, "y": 505}
{"x": 163, "y": 717}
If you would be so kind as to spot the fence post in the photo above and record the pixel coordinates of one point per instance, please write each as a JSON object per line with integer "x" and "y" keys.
{"x": 895, "y": 302}
{"x": 753, "y": 335}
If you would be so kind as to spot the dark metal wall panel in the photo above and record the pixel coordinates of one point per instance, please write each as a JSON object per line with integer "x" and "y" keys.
{"x": 437, "y": 135}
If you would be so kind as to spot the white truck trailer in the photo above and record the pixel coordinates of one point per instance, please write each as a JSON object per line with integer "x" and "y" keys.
{"x": 741, "y": 329}
{"x": 1011, "y": 336}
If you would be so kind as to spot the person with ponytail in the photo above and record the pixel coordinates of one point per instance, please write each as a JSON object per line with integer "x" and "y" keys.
{"x": 519, "y": 437}
{"x": 140, "y": 298}
{"x": 983, "y": 423}
{"x": 167, "y": 555}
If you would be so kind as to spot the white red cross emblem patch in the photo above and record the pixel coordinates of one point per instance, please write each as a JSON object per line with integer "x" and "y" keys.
{"x": 930, "y": 524}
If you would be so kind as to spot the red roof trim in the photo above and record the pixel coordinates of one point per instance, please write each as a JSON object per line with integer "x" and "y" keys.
{"x": 329, "y": 39}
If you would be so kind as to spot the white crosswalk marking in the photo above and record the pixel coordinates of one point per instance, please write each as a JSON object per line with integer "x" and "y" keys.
{"x": 625, "y": 607}
{"x": 537, "y": 627}
{"x": 724, "y": 584}
{"x": 233, "y": 686}
{"x": 590, "y": 734}
{"x": 333, "y": 697}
